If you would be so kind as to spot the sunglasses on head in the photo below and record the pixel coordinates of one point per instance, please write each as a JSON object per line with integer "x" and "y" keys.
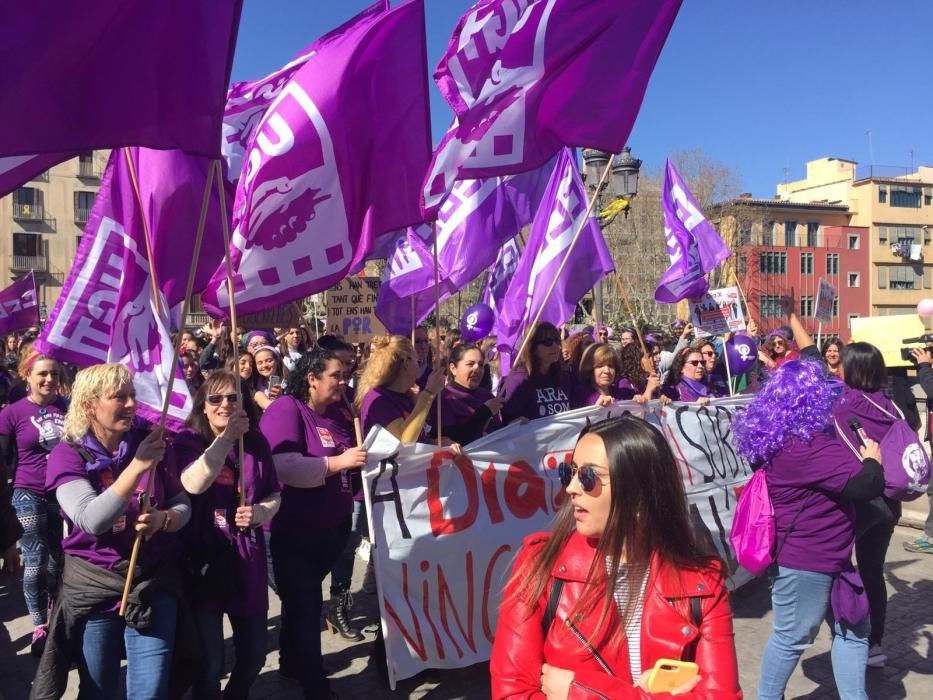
{"x": 217, "y": 399}
{"x": 549, "y": 342}
{"x": 585, "y": 475}
{"x": 695, "y": 363}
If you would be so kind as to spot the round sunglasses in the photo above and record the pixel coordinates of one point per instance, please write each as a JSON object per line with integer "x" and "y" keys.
{"x": 217, "y": 399}
{"x": 586, "y": 475}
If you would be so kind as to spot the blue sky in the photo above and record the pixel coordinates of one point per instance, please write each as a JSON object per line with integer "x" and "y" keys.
{"x": 759, "y": 85}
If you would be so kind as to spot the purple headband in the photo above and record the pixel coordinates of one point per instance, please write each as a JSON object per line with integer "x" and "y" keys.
{"x": 259, "y": 334}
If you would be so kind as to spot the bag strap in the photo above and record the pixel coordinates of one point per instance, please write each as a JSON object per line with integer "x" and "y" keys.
{"x": 696, "y": 616}
{"x": 885, "y": 411}
{"x": 790, "y": 528}
{"x": 842, "y": 435}
{"x": 550, "y": 612}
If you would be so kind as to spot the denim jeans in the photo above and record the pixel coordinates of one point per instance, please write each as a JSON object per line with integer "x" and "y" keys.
{"x": 800, "y": 601}
{"x": 148, "y": 654}
{"x": 301, "y": 563}
{"x": 249, "y": 644}
{"x": 341, "y": 575}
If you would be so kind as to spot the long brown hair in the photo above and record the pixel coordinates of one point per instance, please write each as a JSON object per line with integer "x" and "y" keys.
{"x": 647, "y": 517}
{"x": 540, "y": 331}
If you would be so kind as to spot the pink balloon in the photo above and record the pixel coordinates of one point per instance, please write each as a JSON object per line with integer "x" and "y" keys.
{"x": 925, "y": 307}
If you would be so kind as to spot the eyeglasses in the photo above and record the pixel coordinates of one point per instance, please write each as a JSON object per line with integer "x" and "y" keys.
{"x": 708, "y": 353}
{"x": 585, "y": 474}
{"x": 548, "y": 342}
{"x": 217, "y": 399}
{"x": 695, "y": 363}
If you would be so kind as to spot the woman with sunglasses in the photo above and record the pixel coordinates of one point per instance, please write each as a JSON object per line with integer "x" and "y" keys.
{"x": 685, "y": 380}
{"x": 625, "y": 577}
{"x": 714, "y": 368}
{"x": 776, "y": 350}
{"x": 310, "y": 430}
{"x": 538, "y": 385}
{"x": 225, "y": 550}
{"x": 29, "y": 429}
{"x": 814, "y": 482}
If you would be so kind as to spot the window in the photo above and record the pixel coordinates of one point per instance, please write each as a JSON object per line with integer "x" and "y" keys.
{"x": 832, "y": 263}
{"x": 905, "y": 196}
{"x": 86, "y": 167}
{"x": 770, "y": 306}
{"x": 77, "y": 243}
{"x": 27, "y": 204}
{"x": 742, "y": 264}
{"x": 854, "y": 279}
{"x": 790, "y": 233}
{"x": 835, "y": 307}
{"x": 904, "y": 234}
{"x": 927, "y": 196}
{"x": 767, "y": 233}
{"x": 882, "y": 194}
{"x": 745, "y": 234}
{"x": 853, "y": 241}
{"x": 806, "y": 263}
{"x": 813, "y": 234}
{"x": 806, "y": 307}
{"x": 773, "y": 263}
{"x": 901, "y": 277}
{"x": 849, "y": 318}
{"x": 27, "y": 244}
{"x": 882, "y": 234}
{"x": 84, "y": 202}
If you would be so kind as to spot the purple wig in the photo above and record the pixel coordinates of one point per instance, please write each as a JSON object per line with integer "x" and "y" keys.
{"x": 796, "y": 402}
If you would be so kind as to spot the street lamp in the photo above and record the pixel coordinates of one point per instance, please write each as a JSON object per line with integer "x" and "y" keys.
{"x": 595, "y": 162}
{"x": 625, "y": 174}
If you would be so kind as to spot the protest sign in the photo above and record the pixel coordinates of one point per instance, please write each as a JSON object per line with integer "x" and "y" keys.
{"x": 717, "y": 312}
{"x": 351, "y": 309}
{"x": 18, "y": 308}
{"x": 284, "y": 316}
{"x": 888, "y": 333}
{"x": 446, "y": 529}
{"x": 823, "y": 311}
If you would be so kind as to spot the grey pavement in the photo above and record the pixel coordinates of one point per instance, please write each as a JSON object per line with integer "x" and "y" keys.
{"x": 908, "y": 643}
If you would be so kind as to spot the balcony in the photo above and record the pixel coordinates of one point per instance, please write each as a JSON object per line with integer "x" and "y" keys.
{"x": 25, "y": 263}
{"x": 81, "y": 215}
{"x": 41, "y": 177}
{"x": 28, "y": 212}
{"x": 88, "y": 169}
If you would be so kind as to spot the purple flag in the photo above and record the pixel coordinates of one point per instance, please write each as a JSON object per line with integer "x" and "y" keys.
{"x": 335, "y": 161}
{"x": 18, "y": 306}
{"x": 500, "y": 275}
{"x": 106, "y": 312}
{"x": 692, "y": 242}
{"x": 477, "y": 218}
{"x": 15, "y": 170}
{"x": 560, "y": 215}
{"x": 526, "y": 77}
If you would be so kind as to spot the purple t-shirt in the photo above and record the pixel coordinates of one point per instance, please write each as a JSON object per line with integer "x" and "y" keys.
{"x": 586, "y": 395}
{"x": 291, "y": 426}
{"x": 813, "y": 476}
{"x": 687, "y": 390}
{"x": 854, "y": 403}
{"x": 458, "y": 404}
{"x": 381, "y": 406}
{"x": 213, "y": 516}
{"x": 536, "y": 396}
{"x": 35, "y": 430}
{"x": 105, "y": 550}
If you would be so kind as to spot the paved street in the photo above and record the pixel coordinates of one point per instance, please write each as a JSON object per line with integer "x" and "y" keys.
{"x": 909, "y": 645}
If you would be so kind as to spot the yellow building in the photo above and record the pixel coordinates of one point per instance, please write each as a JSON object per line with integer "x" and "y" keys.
{"x": 896, "y": 206}
{"x": 42, "y": 222}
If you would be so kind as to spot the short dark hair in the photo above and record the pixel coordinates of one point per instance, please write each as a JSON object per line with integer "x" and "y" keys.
{"x": 314, "y": 362}
{"x": 863, "y": 367}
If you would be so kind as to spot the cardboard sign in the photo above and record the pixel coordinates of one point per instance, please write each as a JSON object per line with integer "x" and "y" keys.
{"x": 351, "y": 305}
{"x": 446, "y": 529}
{"x": 717, "y": 312}
{"x": 887, "y": 333}
{"x": 285, "y": 316}
{"x": 823, "y": 310}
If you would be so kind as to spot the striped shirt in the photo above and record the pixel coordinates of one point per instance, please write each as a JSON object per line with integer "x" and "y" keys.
{"x": 632, "y": 574}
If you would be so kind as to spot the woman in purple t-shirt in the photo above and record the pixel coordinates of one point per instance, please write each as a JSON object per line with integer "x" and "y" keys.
{"x": 685, "y": 380}
{"x": 29, "y": 429}
{"x": 270, "y": 376}
{"x": 99, "y": 473}
{"x": 225, "y": 550}
{"x": 468, "y": 411}
{"x": 813, "y": 482}
{"x": 538, "y": 384}
{"x": 310, "y": 431}
{"x": 598, "y": 378}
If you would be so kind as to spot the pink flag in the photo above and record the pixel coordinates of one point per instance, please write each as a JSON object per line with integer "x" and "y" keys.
{"x": 18, "y": 306}
{"x": 106, "y": 311}
{"x": 336, "y": 160}
{"x": 527, "y": 77}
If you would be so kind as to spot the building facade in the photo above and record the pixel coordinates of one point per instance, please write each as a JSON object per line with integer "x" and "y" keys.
{"x": 41, "y": 224}
{"x": 783, "y": 248}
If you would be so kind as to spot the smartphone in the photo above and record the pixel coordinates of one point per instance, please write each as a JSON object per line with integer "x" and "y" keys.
{"x": 670, "y": 674}
{"x": 275, "y": 380}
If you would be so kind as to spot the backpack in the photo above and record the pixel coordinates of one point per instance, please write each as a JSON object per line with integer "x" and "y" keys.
{"x": 904, "y": 461}
{"x": 753, "y": 528}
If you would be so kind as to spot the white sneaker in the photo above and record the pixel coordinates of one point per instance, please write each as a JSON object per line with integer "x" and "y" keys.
{"x": 876, "y": 656}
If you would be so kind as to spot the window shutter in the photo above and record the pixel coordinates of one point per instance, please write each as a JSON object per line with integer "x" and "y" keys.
{"x": 926, "y": 278}
{"x": 882, "y": 278}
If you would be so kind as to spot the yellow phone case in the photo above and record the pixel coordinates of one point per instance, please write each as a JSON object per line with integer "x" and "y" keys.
{"x": 670, "y": 674}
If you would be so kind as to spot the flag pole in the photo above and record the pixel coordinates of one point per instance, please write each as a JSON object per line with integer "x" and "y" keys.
{"x": 225, "y": 226}
{"x": 631, "y": 312}
{"x": 142, "y": 217}
{"x": 725, "y": 356}
{"x": 576, "y": 236}
{"x": 202, "y": 219}
{"x": 437, "y": 329}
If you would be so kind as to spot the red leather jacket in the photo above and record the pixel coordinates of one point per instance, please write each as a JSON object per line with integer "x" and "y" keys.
{"x": 520, "y": 646}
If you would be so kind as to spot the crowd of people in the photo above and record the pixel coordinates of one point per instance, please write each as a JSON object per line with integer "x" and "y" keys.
{"x": 272, "y": 452}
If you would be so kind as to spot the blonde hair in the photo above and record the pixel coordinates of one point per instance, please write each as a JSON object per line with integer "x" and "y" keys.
{"x": 91, "y": 384}
{"x": 384, "y": 364}
{"x": 28, "y": 357}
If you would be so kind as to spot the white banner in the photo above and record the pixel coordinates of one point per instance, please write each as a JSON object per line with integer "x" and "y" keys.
{"x": 446, "y": 530}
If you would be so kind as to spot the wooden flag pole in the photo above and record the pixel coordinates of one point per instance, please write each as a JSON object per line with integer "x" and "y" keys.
{"x": 576, "y": 236}
{"x": 437, "y": 330}
{"x": 202, "y": 219}
{"x": 725, "y": 356}
{"x": 145, "y": 224}
{"x": 631, "y": 313}
{"x": 225, "y": 226}
{"x": 357, "y": 426}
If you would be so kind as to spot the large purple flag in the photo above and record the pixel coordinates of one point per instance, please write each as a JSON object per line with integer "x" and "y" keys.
{"x": 106, "y": 312}
{"x": 560, "y": 215}
{"x": 526, "y": 77}
{"x": 692, "y": 242}
{"x": 16, "y": 170}
{"x": 477, "y": 218}
{"x": 18, "y": 306}
{"x": 110, "y": 73}
{"x": 500, "y": 275}
{"x": 335, "y": 160}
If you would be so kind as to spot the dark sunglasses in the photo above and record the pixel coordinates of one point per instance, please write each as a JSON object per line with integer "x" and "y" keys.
{"x": 548, "y": 342}
{"x": 217, "y": 399}
{"x": 695, "y": 363}
{"x": 585, "y": 474}
{"x": 709, "y": 353}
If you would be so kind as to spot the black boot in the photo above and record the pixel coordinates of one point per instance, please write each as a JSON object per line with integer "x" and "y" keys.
{"x": 338, "y": 616}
